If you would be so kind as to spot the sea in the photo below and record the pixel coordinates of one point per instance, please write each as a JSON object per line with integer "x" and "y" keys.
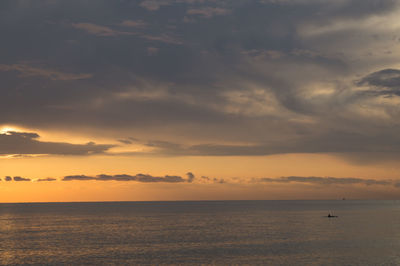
{"x": 366, "y": 232}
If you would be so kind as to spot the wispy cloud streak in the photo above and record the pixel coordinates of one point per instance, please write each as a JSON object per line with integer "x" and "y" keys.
{"x": 325, "y": 180}
{"x": 48, "y": 179}
{"x": 27, "y": 70}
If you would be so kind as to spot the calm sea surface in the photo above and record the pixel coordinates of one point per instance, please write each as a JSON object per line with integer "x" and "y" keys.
{"x": 213, "y": 232}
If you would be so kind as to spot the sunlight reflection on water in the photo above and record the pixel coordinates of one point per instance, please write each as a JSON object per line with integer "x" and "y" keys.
{"x": 234, "y": 232}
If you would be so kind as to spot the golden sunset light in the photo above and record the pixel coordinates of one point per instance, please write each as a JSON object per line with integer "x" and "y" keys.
{"x": 199, "y": 132}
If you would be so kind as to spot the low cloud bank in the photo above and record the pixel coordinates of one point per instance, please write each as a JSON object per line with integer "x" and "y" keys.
{"x": 18, "y": 178}
{"x": 145, "y": 178}
{"x": 46, "y": 179}
{"x": 15, "y": 178}
{"x": 327, "y": 180}
{"x": 191, "y": 178}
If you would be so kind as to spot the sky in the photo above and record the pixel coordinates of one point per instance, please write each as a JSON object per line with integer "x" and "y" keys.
{"x": 199, "y": 100}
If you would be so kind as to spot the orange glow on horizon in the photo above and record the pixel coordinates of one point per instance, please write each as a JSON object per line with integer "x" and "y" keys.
{"x": 227, "y": 168}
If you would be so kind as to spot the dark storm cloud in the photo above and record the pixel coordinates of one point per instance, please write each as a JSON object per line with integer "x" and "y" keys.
{"x": 388, "y": 80}
{"x": 227, "y": 77}
{"x": 27, "y": 143}
{"x": 18, "y": 178}
{"x": 144, "y": 178}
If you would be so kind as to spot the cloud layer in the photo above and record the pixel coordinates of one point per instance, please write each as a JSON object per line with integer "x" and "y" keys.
{"x": 191, "y": 178}
{"x": 12, "y": 142}
{"x": 144, "y": 178}
{"x": 327, "y": 181}
{"x": 199, "y": 77}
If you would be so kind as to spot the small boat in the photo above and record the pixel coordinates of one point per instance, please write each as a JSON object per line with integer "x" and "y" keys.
{"x": 332, "y": 216}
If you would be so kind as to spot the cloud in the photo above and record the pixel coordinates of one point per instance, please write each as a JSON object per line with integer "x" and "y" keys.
{"x": 121, "y": 177}
{"x": 125, "y": 141}
{"x": 144, "y": 178}
{"x": 28, "y": 135}
{"x": 77, "y": 177}
{"x": 153, "y": 5}
{"x": 167, "y": 178}
{"x": 340, "y": 142}
{"x": 220, "y": 181}
{"x": 386, "y": 78}
{"x": 105, "y": 31}
{"x": 152, "y": 51}
{"x": 208, "y": 12}
{"x": 18, "y": 178}
{"x": 31, "y": 71}
{"x": 100, "y": 30}
{"x": 48, "y": 179}
{"x": 259, "y": 80}
{"x": 12, "y": 142}
{"x": 190, "y": 177}
{"x": 325, "y": 180}
{"x": 134, "y": 23}
{"x": 163, "y": 37}
{"x": 206, "y": 179}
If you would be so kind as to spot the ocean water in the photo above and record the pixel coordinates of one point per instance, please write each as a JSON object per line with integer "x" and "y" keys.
{"x": 207, "y": 232}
